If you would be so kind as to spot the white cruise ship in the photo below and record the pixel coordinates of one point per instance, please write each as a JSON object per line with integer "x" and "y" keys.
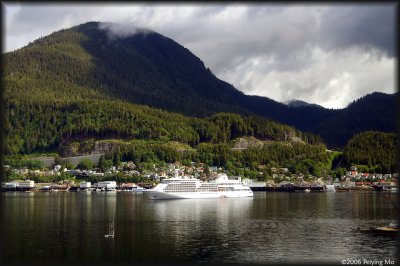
{"x": 180, "y": 187}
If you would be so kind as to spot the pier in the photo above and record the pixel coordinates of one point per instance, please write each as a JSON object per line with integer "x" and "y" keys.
{"x": 289, "y": 189}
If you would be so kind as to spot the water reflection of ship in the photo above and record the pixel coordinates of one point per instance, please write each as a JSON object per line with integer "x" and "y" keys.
{"x": 110, "y": 230}
{"x": 184, "y": 221}
{"x": 192, "y": 208}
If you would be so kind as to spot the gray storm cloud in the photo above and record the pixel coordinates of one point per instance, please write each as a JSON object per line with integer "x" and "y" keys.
{"x": 324, "y": 54}
{"x": 370, "y": 25}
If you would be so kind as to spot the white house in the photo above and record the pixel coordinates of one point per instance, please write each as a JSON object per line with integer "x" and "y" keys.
{"x": 85, "y": 185}
{"x": 108, "y": 185}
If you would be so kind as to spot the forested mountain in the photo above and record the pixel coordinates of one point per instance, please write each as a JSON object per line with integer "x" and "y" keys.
{"x": 57, "y": 92}
{"x": 83, "y": 68}
{"x": 376, "y": 111}
{"x": 377, "y": 150}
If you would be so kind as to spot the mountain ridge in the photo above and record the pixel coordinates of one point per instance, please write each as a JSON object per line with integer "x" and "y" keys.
{"x": 299, "y": 103}
{"x": 151, "y": 69}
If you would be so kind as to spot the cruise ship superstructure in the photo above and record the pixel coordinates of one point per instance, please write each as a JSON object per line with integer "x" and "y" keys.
{"x": 192, "y": 188}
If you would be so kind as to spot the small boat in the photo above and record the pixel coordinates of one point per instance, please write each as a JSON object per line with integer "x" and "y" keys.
{"x": 392, "y": 229}
{"x": 110, "y": 230}
{"x": 303, "y": 190}
{"x": 45, "y": 188}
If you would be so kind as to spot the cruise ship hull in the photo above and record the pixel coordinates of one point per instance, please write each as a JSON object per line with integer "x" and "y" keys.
{"x": 158, "y": 195}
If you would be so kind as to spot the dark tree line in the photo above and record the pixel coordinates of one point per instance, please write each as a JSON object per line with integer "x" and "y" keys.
{"x": 33, "y": 125}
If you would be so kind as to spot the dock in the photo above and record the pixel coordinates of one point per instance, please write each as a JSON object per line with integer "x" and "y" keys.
{"x": 289, "y": 188}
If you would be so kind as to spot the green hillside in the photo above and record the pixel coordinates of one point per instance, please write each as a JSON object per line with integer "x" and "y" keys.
{"x": 37, "y": 124}
{"x": 373, "y": 151}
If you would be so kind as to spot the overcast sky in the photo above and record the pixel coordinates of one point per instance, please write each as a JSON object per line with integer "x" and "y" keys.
{"x": 328, "y": 54}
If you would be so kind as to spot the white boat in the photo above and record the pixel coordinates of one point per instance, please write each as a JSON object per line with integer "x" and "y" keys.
{"x": 138, "y": 189}
{"x": 180, "y": 187}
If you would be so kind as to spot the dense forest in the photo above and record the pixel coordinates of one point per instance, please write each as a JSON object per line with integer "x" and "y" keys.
{"x": 69, "y": 69}
{"x": 43, "y": 125}
{"x": 373, "y": 151}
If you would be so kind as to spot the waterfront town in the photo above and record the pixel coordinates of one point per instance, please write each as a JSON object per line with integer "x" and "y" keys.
{"x": 127, "y": 176}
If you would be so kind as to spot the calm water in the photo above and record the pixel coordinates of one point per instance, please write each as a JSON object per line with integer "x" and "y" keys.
{"x": 275, "y": 227}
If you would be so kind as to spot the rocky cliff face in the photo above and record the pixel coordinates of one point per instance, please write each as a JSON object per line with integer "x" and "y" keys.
{"x": 251, "y": 142}
{"x": 104, "y": 147}
{"x": 245, "y": 143}
{"x": 87, "y": 147}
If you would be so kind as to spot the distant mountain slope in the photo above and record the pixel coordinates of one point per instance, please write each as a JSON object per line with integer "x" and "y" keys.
{"x": 299, "y": 103}
{"x": 83, "y": 62}
{"x": 376, "y": 111}
{"x": 376, "y": 150}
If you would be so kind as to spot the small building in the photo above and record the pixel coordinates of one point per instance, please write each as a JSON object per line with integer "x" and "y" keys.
{"x": 348, "y": 184}
{"x": 26, "y": 185}
{"x": 352, "y": 173}
{"x": 366, "y": 176}
{"x": 108, "y": 185}
{"x": 128, "y": 186}
{"x": 386, "y": 176}
{"x": 85, "y": 185}
{"x": 97, "y": 174}
{"x": 10, "y": 186}
{"x": 330, "y": 188}
{"x": 383, "y": 184}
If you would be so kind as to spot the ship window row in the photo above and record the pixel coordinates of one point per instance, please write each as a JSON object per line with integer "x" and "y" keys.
{"x": 180, "y": 190}
{"x": 181, "y": 185}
